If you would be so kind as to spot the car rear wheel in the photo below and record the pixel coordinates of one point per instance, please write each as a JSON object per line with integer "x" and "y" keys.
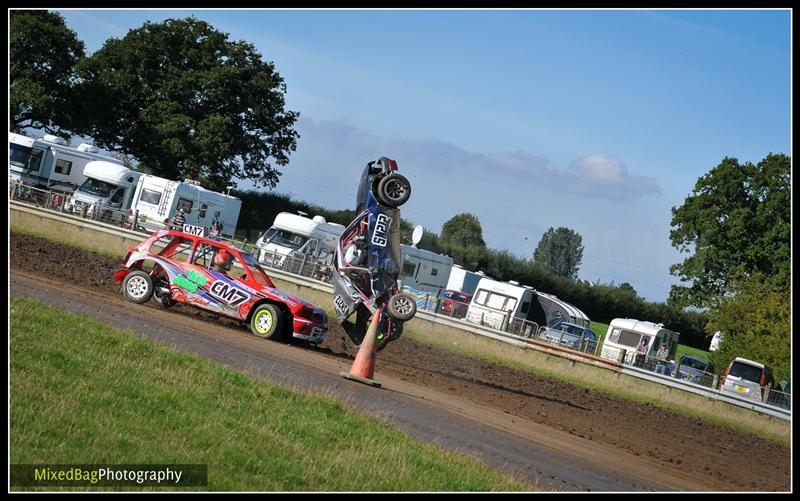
{"x": 137, "y": 287}
{"x": 266, "y": 321}
{"x": 393, "y": 190}
{"x": 402, "y": 307}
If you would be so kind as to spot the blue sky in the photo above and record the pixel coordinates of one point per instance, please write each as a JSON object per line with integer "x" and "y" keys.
{"x": 600, "y": 121}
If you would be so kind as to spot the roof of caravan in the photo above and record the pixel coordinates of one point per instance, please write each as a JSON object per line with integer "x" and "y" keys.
{"x": 502, "y": 287}
{"x": 641, "y": 326}
{"x": 408, "y": 250}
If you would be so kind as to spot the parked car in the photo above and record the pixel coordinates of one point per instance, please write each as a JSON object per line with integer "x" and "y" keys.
{"x": 573, "y": 336}
{"x": 746, "y": 378}
{"x": 176, "y": 267}
{"x": 454, "y": 303}
{"x": 367, "y": 260}
{"x": 695, "y": 370}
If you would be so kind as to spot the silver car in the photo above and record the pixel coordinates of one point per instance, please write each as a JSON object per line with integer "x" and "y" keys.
{"x": 746, "y": 378}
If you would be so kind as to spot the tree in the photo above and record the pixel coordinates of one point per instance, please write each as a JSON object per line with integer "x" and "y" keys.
{"x": 189, "y": 103}
{"x": 462, "y": 230}
{"x": 736, "y": 226}
{"x": 756, "y": 324}
{"x": 560, "y": 252}
{"x": 43, "y": 53}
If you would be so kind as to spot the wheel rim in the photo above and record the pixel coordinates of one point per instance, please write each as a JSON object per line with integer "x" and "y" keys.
{"x": 137, "y": 287}
{"x": 403, "y": 306}
{"x": 395, "y": 190}
{"x": 263, "y": 322}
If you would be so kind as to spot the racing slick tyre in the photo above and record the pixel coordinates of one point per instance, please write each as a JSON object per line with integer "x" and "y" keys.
{"x": 137, "y": 287}
{"x": 393, "y": 190}
{"x": 402, "y": 307}
{"x": 266, "y": 321}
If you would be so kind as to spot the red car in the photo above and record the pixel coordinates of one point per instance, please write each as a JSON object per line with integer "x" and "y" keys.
{"x": 175, "y": 267}
{"x": 454, "y": 303}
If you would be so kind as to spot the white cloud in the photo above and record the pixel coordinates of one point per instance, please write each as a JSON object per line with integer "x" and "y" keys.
{"x": 610, "y": 176}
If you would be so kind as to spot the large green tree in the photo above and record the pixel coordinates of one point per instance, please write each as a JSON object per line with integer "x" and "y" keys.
{"x": 42, "y": 55}
{"x": 189, "y": 103}
{"x": 462, "y": 230}
{"x": 736, "y": 226}
{"x": 560, "y": 252}
{"x": 462, "y": 238}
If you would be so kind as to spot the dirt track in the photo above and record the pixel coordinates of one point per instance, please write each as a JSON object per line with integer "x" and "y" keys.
{"x": 637, "y": 446}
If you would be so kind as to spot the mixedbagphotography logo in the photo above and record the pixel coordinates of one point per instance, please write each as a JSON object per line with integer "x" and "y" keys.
{"x": 141, "y": 475}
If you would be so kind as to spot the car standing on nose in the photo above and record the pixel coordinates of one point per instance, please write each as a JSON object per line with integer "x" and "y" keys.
{"x": 367, "y": 260}
{"x": 175, "y": 267}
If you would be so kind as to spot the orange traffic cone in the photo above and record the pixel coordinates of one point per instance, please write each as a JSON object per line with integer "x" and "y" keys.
{"x": 363, "y": 367}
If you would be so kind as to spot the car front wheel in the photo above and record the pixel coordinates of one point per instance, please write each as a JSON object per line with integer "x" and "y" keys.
{"x": 402, "y": 307}
{"x": 266, "y": 321}
{"x": 137, "y": 287}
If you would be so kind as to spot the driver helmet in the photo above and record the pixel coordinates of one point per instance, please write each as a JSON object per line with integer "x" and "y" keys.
{"x": 223, "y": 260}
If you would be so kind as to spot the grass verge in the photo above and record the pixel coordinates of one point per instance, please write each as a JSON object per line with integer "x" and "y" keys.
{"x": 85, "y": 393}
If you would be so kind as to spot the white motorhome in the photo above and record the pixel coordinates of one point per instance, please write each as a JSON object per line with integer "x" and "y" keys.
{"x": 298, "y": 235}
{"x": 50, "y": 162}
{"x": 107, "y": 185}
{"x": 463, "y": 280}
{"x": 637, "y": 337}
{"x": 156, "y": 200}
{"x": 424, "y": 270}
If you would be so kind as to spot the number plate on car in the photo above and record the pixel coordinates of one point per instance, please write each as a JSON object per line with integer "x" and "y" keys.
{"x": 742, "y": 388}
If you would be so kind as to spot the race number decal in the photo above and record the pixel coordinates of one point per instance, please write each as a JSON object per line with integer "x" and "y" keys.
{"x": 340, "y": 304}
{"x": 228, "y": 293}
{"x": 379, "y": 237}
{"x": 194, "y": 230}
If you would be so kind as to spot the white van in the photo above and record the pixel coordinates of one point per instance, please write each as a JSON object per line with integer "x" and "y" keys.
{"x": 106, "y": 185}
{"x": 156, "y": 200}
{"x": 424, "y": 270}
{"x": 637, "y": 337}
{"x": 297, "y": 235}
{"x": 49, "y": 162}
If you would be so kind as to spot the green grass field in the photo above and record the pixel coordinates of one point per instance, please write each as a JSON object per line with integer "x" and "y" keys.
{"x": 85, "y": 393}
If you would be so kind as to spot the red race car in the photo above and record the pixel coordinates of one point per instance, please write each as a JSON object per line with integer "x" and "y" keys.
{"x": 175, "y": 267}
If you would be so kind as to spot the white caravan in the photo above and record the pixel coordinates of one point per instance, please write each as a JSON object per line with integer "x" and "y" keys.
{"x": 297, "y": 235}
{"x": 495, "y": 304}
{"x": 424, "y": 270}
{"x": 107, "y": 185}
{"x": 463, "y": 280}
{"x": 156, "y": 200}
{"x": 50, "y": 162}
{"x": 637, "y": 336}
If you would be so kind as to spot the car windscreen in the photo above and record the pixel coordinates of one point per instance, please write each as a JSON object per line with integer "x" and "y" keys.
{"x": 255, "y": 269}
{"x": 285, "y": 238}
{"x": 746, "y": 371}
{"x": 18, "y": 154}
{"x": 97, "y": 187}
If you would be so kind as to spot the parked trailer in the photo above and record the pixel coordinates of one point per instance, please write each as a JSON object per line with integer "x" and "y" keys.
{"x": 49, "y": 162}
{"x": 633, "y": 341}
{"x": 463, "y": 280}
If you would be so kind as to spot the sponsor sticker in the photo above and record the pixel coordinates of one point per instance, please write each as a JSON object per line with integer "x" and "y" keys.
{"x": 228, "y": 294}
